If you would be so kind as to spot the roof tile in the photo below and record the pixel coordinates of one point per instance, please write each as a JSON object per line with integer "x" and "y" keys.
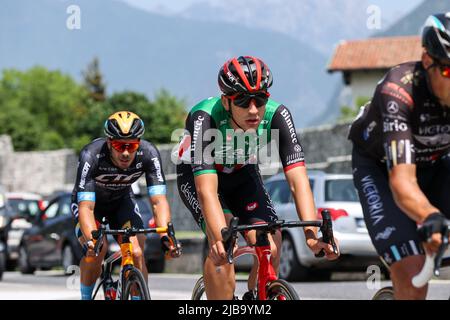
{"x": 375, "y": 53}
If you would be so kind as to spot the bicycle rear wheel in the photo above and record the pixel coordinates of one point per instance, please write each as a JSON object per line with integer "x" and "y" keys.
{"x": 281, "y": 290}
{"x": 199, "y": 290}
{"x": 135, "y": 285}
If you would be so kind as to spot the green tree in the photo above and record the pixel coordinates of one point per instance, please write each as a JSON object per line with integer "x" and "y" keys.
{"x": 349, "y": 113}
{"x": 36, "y": 102}
{"x": 93, "y": 81}
{"x": 46, "y": 110}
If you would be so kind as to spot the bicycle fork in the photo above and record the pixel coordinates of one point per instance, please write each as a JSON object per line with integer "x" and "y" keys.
{"x": 266, "y": 272}
{"x": 127, "y": 263}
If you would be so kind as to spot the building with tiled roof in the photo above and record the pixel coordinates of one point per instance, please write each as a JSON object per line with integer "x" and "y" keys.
{"x": 364, "y": 62}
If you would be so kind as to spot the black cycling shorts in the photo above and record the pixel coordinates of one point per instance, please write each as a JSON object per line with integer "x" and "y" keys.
{"x": 392, "y": 232}
{"x": 241, "y": 193}
{"x": 121, "y": 213}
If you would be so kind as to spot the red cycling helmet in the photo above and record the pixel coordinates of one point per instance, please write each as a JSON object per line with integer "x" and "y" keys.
{"x": 244, "y": 74}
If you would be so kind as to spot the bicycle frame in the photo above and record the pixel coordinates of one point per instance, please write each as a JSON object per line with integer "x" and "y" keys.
{"x": 126, "y": 251}
{"x": 266, "y": 271}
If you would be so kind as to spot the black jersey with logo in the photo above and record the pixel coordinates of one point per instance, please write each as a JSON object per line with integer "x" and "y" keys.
{"x": 98, "y": 179}
{"x": 404, "y": 122}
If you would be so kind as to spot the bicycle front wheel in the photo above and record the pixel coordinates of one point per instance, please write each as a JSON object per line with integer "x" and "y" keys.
{"x": 135, "y": 286}
{"x": 386, "y": 293}
{"x": 199, "y": 290}
{"x": 281, "y": 290}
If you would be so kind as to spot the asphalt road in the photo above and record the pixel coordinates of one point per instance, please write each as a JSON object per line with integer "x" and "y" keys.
{"x": 53, "y": 285}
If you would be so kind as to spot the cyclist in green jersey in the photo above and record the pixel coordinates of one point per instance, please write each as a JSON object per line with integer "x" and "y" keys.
{"x": 218, "y": 174}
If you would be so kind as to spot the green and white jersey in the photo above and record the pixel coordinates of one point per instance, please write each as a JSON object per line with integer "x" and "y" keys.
{"x": 210, "y": 144}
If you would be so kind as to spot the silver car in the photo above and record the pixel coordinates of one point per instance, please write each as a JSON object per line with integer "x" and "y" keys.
{"x": 337, "y": 193}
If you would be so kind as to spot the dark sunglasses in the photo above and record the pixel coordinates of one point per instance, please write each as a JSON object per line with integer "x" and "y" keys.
{"x": 121, "y": 146}
{"x": 242, "y": 100}
{"x": 444, "y": 69}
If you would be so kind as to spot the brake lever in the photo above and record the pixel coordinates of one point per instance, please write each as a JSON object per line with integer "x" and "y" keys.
{"x": 229, "y": 238}
{"x": 175, "y": 242}
{"x": 97, "y": 235}
{"x": 327, "y": 233}
{"x": 440, "y": 253}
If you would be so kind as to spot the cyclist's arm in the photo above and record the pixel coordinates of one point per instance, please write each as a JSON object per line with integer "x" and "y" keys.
{"x": 293, "y": 161}
{"x": 298, "y": 181}
{"x": 410, "y": 198}
{"x": 161, "y": 210}
{"x": 206, "y": 186}
{"x": 205, "y": 174}
{"x": 407, "y": 193}
{"x": 156, "y": 185}
{"x": 396, "y": 105}
{"x": 86, "y": 218}
{"x": 85, "y": 186}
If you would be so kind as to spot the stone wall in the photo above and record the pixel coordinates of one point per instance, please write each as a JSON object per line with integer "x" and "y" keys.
{"x": 326, "y": 148}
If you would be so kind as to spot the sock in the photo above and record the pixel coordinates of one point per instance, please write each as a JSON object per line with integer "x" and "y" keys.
{"x": 86, "y": 291}
{"x": 135, "y": 298}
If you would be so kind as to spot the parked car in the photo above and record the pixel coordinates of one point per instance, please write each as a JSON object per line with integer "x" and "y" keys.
{"x": 6, "y": 217}
{"x": 25, "y": 206}
{"x": 3, "y": 224}
{"x": 51, "y": 240}
{"x": 336, "y": 193}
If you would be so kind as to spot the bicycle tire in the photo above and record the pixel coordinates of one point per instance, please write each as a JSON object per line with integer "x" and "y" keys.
{"x": 135, "y": 277}
{"x": 281, "y": 290}
{"x": 198, "y": 293}
{"x": 386, "y": 293}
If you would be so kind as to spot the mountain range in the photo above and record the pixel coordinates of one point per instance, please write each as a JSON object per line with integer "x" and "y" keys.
{"x": 145, "y": 51}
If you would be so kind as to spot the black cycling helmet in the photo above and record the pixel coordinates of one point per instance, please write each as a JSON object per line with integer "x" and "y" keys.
{"x": 244, "y": 74}
{"x": 124, "y": 125}
{"x": 436, "y": 36}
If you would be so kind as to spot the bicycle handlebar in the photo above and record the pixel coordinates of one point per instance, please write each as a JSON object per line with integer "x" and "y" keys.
{"x": 229, "y": 234}
{"x": 432, "y": 262}
{"x": 98, "y": 235}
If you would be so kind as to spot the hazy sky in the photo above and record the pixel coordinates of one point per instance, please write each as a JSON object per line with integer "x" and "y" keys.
{"x": 400, "y": 6}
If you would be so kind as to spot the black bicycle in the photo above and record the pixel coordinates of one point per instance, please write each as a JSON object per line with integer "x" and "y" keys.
{"x": 131, "y": 282}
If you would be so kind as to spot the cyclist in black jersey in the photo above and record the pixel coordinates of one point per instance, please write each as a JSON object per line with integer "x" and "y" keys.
{"x": 401, "y": 162}
{"x": 107, "y": 168}
{"x": 219, "y": 179}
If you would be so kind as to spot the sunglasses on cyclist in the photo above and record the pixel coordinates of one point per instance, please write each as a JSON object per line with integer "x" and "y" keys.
{"x": 242, "y": 100}
{"x": 444, "y": 69}
{"x": 121, "y": 146}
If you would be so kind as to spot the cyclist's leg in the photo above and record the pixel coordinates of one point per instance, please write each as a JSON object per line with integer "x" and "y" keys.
{"x": 392, "y": 232}
{"x": 219, "y": 281}
{"x": 89, "y": 270}
{"x": 128, "y": 215}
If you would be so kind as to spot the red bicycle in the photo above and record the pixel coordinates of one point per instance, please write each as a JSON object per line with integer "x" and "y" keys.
{"x": 269, "y": 286}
